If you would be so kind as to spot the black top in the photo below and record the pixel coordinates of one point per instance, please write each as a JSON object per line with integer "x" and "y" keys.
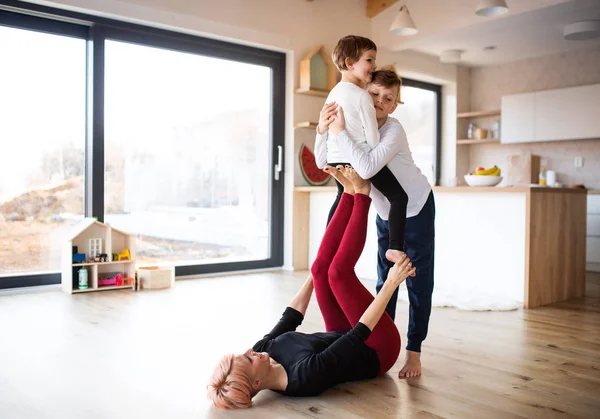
{"x": 317, "y": 361}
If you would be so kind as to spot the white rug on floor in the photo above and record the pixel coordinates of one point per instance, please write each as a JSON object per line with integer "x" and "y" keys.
{"x": 467, "y": 301}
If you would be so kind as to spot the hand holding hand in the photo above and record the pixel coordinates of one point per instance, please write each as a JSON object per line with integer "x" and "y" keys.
{"x": 400, "y": 271}
{"x": 339, "y": 124}
{"x": 326, "y": 117}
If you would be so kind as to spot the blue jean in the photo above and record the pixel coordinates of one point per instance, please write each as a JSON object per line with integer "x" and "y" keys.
{"x": 419, "y": 238}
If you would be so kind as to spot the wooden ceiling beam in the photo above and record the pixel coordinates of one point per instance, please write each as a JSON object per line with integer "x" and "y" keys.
{"x": 374, "y": 7}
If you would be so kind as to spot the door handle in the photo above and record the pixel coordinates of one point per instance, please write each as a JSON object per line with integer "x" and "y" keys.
{"x": 278, "y": 166}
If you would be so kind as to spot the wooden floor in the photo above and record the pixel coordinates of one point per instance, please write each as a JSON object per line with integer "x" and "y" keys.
{"x": 121, "y": 354}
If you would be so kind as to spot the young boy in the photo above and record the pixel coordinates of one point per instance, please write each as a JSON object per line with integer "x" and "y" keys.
{"x": 393, "y": 151}
{"x": 355, "y": 56}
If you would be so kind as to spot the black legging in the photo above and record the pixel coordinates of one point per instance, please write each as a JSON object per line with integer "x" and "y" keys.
{"x": 388, "y": 185}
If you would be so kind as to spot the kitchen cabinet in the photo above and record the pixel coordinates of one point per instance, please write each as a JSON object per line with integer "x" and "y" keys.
{"x": 551, "y": 115}
{"x": 567, "y": 114}
{"x": 518, "y": 118}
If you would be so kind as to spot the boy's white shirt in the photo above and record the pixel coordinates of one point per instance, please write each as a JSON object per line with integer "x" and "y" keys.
{"x": 393, "y": 151}
{"x": 359, "y": 115}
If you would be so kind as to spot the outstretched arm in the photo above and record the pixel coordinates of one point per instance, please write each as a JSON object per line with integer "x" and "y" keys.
{"x": 397, "y": 274}
{"x": 302, "y": 298}
{"x": 292, "y": 316}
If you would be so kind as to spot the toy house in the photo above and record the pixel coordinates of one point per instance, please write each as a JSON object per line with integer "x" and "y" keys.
{"x": 107, "y": 254}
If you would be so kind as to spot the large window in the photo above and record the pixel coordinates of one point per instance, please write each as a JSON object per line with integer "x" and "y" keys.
{"x": 42, "y": 141}
{"x": 420, "y": 116}
{"x": 171, "y": 137}
{"x": 187, "y": 160}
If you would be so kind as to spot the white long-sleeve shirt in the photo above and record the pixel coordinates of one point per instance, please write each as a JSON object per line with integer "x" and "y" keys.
{"x": 393, "y": 151}
{"x": 359, "y": 116}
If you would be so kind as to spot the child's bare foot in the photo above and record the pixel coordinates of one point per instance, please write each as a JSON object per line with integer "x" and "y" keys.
{"x": 393, "y": 255}
{"x": 361, "y": 186}
{"x": 412, "y": 366}
{"x": 333, "y": 171}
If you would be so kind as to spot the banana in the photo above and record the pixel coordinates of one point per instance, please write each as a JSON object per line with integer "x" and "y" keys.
{"x": 488, "y": 172}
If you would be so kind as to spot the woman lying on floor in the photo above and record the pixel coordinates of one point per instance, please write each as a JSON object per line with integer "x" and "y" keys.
{"x": 361, "y": 341}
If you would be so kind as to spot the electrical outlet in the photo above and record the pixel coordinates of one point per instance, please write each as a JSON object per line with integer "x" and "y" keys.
{"x": 578, "y": 162}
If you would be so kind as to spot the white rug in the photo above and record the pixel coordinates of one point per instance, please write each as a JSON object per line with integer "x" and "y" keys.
{"x": 480, "y": 301}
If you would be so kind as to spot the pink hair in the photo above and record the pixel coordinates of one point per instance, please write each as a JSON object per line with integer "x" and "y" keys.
{"x": 230, "y": 386}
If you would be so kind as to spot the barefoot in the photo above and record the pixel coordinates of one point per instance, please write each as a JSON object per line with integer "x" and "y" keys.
{"x": 348, "y": 186}
{"x": 361, "y": 186}
{"x": 394, "y": 255}
{"x": 412, "y": 366}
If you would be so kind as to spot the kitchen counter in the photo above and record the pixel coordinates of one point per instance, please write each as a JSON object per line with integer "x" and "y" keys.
{"x": 462, "y": 189}
{"x": 469, "y": 189}
{"x": 525, "y": 244}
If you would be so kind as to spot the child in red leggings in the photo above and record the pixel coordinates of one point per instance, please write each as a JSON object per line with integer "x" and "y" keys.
{"x": 361, "y": 341}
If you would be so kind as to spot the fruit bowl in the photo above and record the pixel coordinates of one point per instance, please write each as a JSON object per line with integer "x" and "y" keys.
{"x": 482, "y": 180}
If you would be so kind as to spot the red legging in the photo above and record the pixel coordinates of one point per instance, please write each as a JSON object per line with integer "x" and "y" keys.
{"x": 341, "y": 297}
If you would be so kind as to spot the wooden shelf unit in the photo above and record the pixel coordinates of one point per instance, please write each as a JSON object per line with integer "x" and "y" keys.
{"x": 476, "y": 141}
{"x": 478, "y": 114}
{"x": 306, "y": 124}
{"x": 313, "y": 92}
{"x": 463, "y": 119}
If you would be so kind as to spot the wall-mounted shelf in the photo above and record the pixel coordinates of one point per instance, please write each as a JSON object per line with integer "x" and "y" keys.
{"x": 478, "y": 114}
{"x": 315, "y": 188}
{"x": 476, "y": 141}
{"x": 306, "y": 124}
{"x": 313, "y": 92}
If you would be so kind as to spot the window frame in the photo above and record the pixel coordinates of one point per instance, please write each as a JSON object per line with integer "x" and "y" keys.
{"x": 96, "y": 30}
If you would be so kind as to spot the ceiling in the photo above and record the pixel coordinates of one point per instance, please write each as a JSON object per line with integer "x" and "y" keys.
{"x": 530, "y": 28}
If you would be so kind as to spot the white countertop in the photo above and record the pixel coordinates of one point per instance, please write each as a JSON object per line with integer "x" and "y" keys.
{"x": 463, "y": 189}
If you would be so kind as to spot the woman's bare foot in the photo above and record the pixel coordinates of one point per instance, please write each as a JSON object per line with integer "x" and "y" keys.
{"x": 361, "y": 186}
{"x": 412, "y": 365}
{"x": 333, "y": 171}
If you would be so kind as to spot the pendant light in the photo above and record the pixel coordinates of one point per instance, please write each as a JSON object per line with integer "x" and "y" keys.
{"x": 403, "y": 23}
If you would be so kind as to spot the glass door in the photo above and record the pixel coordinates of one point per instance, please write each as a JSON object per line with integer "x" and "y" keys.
{"x": 187, "y": 154}
{"x": 420, "y": 116}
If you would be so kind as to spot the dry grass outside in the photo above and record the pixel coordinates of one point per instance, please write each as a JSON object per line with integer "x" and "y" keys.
{"x": 32, "y": 231}
{"x": 30, "y": 246}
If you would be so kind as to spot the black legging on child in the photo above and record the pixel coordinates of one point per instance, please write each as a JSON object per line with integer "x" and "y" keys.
{"x": 388, "y": 185}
